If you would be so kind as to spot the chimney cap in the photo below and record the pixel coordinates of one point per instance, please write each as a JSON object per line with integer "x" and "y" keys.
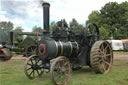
{"x": 45, "y": 4}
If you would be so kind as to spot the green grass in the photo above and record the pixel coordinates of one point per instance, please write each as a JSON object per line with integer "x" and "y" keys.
{"x": 120, "y": 51}
{"x": 11, "y": 73}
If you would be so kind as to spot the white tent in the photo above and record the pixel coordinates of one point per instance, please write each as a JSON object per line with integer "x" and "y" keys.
{"x": 116, "y": 44}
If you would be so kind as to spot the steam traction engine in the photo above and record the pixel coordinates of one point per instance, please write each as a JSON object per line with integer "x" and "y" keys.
{"x": 64, "y": 51}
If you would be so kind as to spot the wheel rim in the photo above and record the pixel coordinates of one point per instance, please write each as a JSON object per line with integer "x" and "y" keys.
{"x": 61, "y": 71}
{"x": 32, "y": 67}
{"x": 106, "y": 58}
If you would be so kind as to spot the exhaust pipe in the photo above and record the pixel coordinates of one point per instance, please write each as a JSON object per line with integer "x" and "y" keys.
{"x": 12, "y": 38}
{"x": 46, "y": 16}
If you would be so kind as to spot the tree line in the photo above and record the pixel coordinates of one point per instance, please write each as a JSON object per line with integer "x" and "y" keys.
{"x": 112, "y": 20}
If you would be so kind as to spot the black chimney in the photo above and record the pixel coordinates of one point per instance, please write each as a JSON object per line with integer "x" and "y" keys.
{"x": 12, "y": 38}
{"x": 46, "y": 15}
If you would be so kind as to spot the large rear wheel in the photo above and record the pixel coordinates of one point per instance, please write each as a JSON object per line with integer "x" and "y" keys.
{"x": 101, "y": 57}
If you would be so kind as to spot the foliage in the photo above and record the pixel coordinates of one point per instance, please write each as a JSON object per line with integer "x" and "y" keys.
{"x": 94, "y": 18}
{"x": 75, "y": 26}
{"x": 113, "y": 17}
{"x": 36, "y": 29}
{"x": 18, "y": 37}
{"x": 103, "y": 33}
{"x": 5, "y": 28}
{"x": 53, "y": 26}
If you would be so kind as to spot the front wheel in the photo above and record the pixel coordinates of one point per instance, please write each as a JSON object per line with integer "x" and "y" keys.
{"x": 61, "y": 71}
{"x": 32, "y": 67}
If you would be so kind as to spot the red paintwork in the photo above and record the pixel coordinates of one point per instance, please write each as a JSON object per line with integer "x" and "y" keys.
{"x": 29, "y": 43}
{"x": 42, "y": 45}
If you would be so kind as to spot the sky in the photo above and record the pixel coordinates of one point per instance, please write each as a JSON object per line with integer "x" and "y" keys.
{"x": 28, "y": 13}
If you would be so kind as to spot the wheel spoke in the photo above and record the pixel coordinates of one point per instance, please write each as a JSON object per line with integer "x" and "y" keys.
{"x": 106, "y": 47}
{"x": 65, "y": 63}
{"x": 31, "y": 72}
{"x": 107, "y": 63}
{"x": 29, "y": 68}
{"x": 100, "y": 60}
{"x": 108, "y": 54}
{"x": 102, "y": 48}
{"x": 39, "y": 61}
{"x": 59, "y": 76}
{"x": 37, "y": 72}
{"x": 31, "y": 61}
{"x": 36, "y": 61}
{"x": 103, "y": 65}
{"x": 29, "y": 64}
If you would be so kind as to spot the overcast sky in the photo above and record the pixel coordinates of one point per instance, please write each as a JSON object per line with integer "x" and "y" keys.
{"x": 28, "y": 13}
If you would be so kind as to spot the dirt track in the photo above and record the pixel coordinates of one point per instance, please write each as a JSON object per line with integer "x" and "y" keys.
{"x": 121, "y": 56}
{"x": 117, "y": 56}
{"x": 18, "y": 58}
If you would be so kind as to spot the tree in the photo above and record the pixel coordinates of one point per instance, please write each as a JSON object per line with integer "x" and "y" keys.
{"x": 5, "y": 28}
{"x": 94, "y": 17}
{"x": 113, "y": 17}
{"x": 53, "y": 26}
{"x": 104, "y": 34}
{"x": 36, "y": 29}
{"x": 18, "y": 29}
{"x": 75, "y": 26}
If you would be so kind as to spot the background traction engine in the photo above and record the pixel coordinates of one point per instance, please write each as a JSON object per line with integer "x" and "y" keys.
{"x": 65, "y": 50}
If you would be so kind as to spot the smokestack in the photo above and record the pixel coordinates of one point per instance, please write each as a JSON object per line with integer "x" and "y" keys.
{"x": 46, "y": 15}
{"x": 11, "y": 38}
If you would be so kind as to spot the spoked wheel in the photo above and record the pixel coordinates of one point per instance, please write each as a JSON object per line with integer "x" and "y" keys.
{"x": 30, "y": 51}
{"x": 101, "y": 57}
{"x": 32, "y": 67}
{"x": 61, "y": 71}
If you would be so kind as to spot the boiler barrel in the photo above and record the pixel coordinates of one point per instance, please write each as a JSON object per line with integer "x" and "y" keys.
{"x": 50, "y": 49}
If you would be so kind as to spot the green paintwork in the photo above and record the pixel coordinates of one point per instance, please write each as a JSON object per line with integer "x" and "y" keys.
{"x": 28, "y": 42}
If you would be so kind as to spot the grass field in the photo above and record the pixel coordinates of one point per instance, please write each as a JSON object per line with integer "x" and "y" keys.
{"x": 11, "y": 73}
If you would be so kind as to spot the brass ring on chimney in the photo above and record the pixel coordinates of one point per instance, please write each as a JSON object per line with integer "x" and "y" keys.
{"x": 46, "y": 5}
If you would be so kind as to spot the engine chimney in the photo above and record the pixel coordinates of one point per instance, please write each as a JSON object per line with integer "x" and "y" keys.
{"x": 12, "y": 38}
{"x": 46, "y": 15}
